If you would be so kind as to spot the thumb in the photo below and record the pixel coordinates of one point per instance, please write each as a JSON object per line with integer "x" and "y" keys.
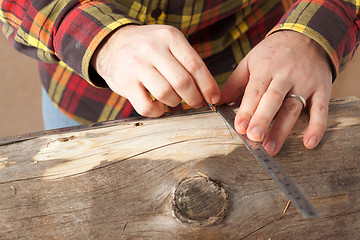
{"x": 236, "y": 84}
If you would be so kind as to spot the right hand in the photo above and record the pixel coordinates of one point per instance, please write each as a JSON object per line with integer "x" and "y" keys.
{"x": 157, "y": 59}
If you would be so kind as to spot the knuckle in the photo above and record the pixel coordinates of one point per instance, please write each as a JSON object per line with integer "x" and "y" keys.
{"x": 132, "y": 60}
{"x": 207, "y": 91}
{"x": 320, "y": 108}
{"x": 209, "y": 88}
{"x": 276, "y": 95}
{"x": 148, "y": 109}
{"x": 245, "y": 115}
{"x": 142, "y": 110}
{"x": 147, "y": 46}
{"x": 290, "y": 69}
{"x": 265, "y": 67}
{"x": 255, "y": 94}
{"x": 174, "y": 103}
{"x": 169, "y": 32}
{"x": 181, "y": 82}
{"x": 195, "y": 103}
{"x": 162, "y": 94}
{"x": 193, "y": 64}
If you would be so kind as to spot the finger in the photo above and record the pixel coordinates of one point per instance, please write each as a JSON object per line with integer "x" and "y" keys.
{"x": 235, "y": 85}
{"x": 265, "y": 112}
{"x": 318, "y": 119}
{"x": 179, "y": 79}
{"x": 159, "y": 87}
{"x": 144, "y": 104}
{"x": 195, "y": 66}
{"x": 282, "y": 125}
{"x": 252, "y": 95}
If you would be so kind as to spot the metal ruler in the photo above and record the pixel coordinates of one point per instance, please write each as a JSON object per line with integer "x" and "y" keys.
{"x": 296, "y": 197}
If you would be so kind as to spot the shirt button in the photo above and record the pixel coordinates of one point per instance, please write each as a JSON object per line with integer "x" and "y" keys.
{"x": 156, "y": 13}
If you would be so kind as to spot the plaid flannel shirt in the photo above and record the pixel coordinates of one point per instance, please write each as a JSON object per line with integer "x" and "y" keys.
{"x": 63, "y": 35}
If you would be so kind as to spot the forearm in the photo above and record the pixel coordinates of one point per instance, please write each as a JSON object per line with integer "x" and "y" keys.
{"x": 67, "y": 31}
{"x": 332, "y": 24}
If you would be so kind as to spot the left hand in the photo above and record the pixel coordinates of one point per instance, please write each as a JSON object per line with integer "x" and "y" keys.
{"x": 285, "y": 62}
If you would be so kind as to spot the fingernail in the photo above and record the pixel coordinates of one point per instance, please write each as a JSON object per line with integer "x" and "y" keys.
{"x": 215, "y": 99}
{"x": 257, "y": 133}
{"x": 312, "y": 142}
{"x": 270, "y": 146}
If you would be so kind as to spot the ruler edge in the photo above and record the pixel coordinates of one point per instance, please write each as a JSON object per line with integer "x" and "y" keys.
{"x": 244, "y": 139}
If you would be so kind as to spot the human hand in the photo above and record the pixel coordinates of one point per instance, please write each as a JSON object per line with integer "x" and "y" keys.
{"x": 285, "y": 62}
{"x": 157, "y": 59}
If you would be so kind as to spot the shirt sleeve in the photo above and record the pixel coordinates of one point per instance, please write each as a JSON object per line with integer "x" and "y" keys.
{"x": 65, "y": 30}
{"x": 333, "y": 24}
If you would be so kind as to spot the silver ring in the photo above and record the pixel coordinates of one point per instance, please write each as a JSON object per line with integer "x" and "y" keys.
{"x": 298, "y": 97}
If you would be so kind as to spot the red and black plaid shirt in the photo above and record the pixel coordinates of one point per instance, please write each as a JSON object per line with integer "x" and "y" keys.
{"x": 63, "y": 35}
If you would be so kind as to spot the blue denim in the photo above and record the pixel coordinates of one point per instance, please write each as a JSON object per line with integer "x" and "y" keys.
{"x": 53, "y": 118}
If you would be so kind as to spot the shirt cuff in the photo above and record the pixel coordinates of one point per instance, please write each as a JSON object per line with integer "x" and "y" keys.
{"x": 81, "y": 32}
{"x": 327, "y": 25}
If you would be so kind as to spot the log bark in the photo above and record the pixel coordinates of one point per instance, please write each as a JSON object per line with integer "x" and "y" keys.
{"x": 186, "y": 176}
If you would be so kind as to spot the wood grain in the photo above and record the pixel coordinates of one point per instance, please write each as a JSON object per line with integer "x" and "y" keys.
{"x": 120, "y": 182}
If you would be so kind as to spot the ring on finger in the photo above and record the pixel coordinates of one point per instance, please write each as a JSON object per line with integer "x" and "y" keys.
{"x": 298, "y": 97}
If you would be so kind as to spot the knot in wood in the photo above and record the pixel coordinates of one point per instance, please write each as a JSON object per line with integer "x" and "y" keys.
{"x": 200, "y": 201}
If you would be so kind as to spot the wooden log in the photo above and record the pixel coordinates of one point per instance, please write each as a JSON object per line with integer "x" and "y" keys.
{"x": 182, "y": 177}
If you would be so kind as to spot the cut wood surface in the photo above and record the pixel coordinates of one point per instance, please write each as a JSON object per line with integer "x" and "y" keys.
{"x": 185, "y": 176}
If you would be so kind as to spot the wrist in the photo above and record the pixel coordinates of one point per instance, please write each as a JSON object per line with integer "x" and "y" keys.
{"x": 100, "y": 60}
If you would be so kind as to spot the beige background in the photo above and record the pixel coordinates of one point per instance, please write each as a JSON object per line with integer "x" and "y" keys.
{"x": 20, "y": 100}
